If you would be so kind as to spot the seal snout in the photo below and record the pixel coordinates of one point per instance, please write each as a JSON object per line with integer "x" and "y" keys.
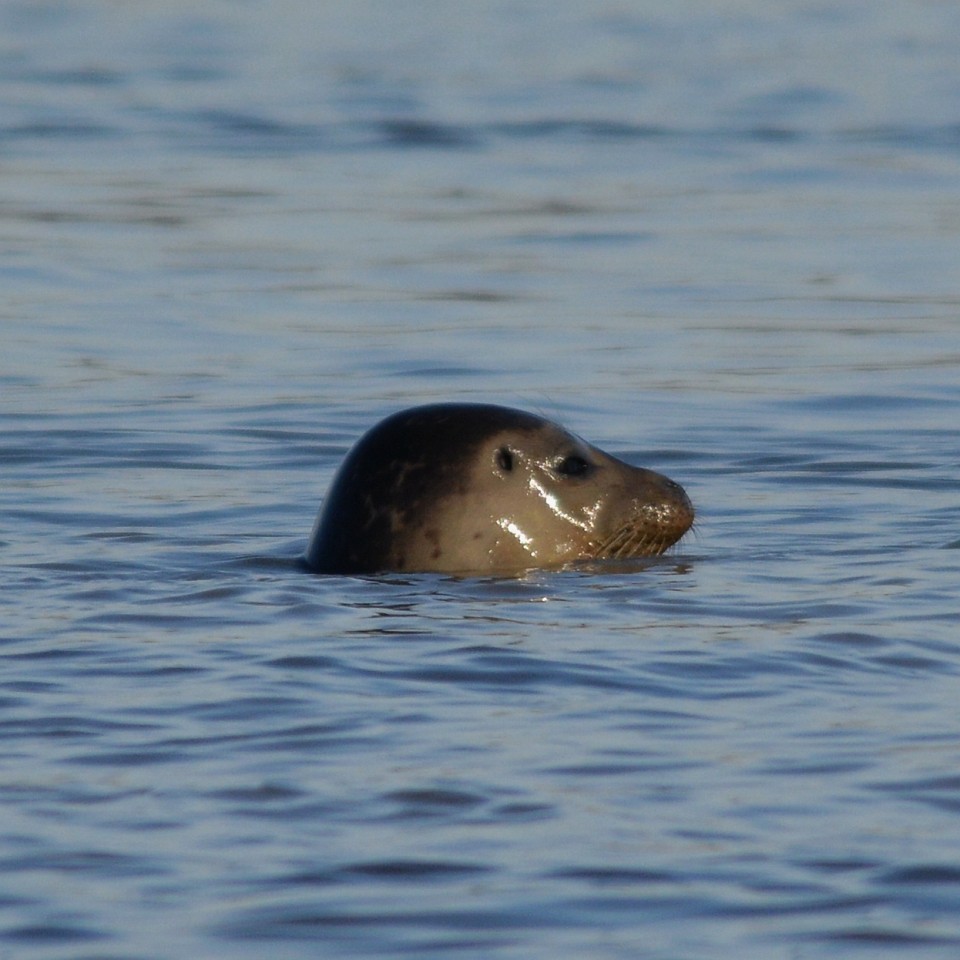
{"x": 658, "y": 515}
{"x": 679, "y": 508}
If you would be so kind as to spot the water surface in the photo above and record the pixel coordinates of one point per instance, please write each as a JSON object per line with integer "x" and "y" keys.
{"x": 718, "y": 243}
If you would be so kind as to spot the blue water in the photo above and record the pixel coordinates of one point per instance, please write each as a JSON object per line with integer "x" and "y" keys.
{"x": 721, "y": 241}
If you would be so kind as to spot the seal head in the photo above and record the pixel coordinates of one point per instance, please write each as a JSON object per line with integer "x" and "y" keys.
{"x": 483, "y": 489}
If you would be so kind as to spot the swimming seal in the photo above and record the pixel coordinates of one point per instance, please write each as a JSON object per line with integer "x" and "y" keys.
{"x": 475, "y": 488}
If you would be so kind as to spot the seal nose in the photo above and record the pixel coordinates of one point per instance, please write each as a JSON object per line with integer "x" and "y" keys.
{"x": 682, "y": 498}
{"x": 666, "y": 508}
{"x": 678, "y": 506}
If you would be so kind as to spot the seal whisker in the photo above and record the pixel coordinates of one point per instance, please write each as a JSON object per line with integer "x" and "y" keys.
{"x": 632, "y": 541}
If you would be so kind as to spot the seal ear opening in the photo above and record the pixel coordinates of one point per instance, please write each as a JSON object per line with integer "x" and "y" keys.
{"x": 504, "y": 459}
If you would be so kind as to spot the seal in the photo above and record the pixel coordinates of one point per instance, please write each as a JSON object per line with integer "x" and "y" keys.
{"x": 474, "y": 489}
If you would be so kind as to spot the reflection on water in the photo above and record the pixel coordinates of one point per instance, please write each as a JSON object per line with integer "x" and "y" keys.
{"x": 718, "y": 243}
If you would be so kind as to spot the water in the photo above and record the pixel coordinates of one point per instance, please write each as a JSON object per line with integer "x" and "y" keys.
{"x": 719, "y": 242}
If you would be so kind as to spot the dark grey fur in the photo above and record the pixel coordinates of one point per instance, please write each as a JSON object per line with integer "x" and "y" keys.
{"x": 411, "y": 457}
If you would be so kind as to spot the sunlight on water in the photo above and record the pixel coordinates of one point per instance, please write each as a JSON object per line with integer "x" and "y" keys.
{"x": 719, "y": 243}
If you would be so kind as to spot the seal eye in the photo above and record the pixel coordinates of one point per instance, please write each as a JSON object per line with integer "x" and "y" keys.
{"x": 505, "y": 459}
{"x": 573, "y": 466}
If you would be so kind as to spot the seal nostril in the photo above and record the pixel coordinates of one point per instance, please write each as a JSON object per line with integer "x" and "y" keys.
{"x": 505, "y": 459}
